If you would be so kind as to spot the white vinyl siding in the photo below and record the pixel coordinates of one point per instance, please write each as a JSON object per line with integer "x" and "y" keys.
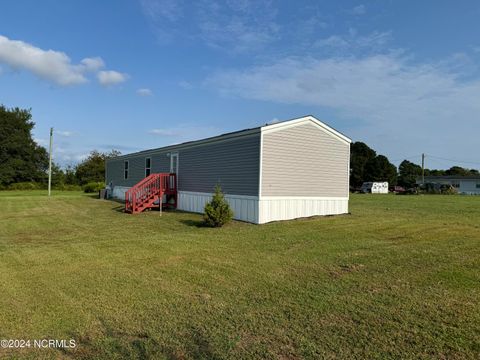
{"x": 304, "y": 160}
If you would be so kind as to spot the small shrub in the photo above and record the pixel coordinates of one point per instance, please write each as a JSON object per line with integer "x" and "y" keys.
{"x": 217, "y": 211}
{"x": 93, "y": 187}
{"x": 24, "y": 186}
{"x": 449, "y": 190}
{"x": 68, "y": 187}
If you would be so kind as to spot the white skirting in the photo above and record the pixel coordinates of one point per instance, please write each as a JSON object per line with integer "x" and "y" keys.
{"x": 244, "y": 207}
{"x": 286, "y": 208}
{"x": 119, "y": 192}
{"x": 253, "y": 210}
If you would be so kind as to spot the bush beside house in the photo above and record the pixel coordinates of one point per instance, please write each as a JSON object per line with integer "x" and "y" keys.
{"x": 217, "y": 212}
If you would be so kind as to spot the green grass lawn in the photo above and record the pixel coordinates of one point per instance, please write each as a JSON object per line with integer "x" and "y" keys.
{"x": 398, "y": 278}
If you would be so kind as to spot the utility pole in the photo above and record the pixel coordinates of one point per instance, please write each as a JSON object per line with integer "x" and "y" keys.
{"x": 423, "y": 168}
{"x": 50, "y": 163}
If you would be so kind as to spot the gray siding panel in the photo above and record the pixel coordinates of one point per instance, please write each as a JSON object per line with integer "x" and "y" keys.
{"x": 304, "y": 160}
{"x": 159, "y": 163}
{"x": 232, "y": 163}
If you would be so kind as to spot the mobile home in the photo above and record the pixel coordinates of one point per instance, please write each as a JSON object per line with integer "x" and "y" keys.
{"x": 467, "y": 185}
{"x": 291, "y": 169}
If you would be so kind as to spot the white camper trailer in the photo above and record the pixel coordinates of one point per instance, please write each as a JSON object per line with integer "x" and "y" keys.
{"x": 374, "y": 187}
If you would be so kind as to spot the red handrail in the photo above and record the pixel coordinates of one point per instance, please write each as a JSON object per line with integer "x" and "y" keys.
{"x": 150, "y": 189}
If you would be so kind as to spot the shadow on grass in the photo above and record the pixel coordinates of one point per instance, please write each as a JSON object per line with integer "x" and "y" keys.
{"x": 108, "y": 340}
{"x": 196, "y": 223}
{"x": 120, "y": 209}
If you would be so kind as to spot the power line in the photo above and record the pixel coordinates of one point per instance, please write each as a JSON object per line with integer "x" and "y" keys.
{"x": 419, "y": 156}
{"x": 455, "y": 161}
{"x": 408, "y": 158}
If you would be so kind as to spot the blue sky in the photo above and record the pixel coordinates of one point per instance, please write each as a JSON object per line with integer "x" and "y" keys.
{"x": 402, "y": 76}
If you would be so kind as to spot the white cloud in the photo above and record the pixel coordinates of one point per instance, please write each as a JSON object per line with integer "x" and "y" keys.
{"x": 164, "y": 16}
{"x": 333, "y": 41}
{"x": 162, "y": 132}
{"x": 64, "y": 133}
{"x": 50, "y": 65}
{"x": 475, "y": 49}
{"x": 110, "y": 77}
{"x": 239, "y": 28}
{"x": 53, "y": 66}
{"x": 93, "y": 64}
{"x": 185, "y": 85}
{"x": 40, "y": 141}
{"x": 184, "y": 132}
{"x": 169, "y": 9}
{"x": 235, "y": 26}
{"x": 396, "y": 104}
{"x": 373, "y": 41}
{"x": 144, "y": 92}
{"x": 63, "y": 155}
{"x": 359, "y": 10}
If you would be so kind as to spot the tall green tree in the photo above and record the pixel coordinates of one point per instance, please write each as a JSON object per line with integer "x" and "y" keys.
{"x": 58, "y": 175}
{"x": 92, "y": 169}
{"x": 380, "y": 169}
{"x": 434, "y": 172}
{"x": 457, "y": 170}
{"x": 70, "y": 176}
{"x": 408, "y": 173}
{"x": 21, "y": 159}
{"x": 360, "y": 154}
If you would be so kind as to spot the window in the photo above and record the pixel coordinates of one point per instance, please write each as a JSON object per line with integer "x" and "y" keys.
{"x": 174, "y": 163}
{"x": 148, "y": 166}
{"x": 125, "y": 170}
{"x": 478, "y": 186}
{"x": 456, "y": 184}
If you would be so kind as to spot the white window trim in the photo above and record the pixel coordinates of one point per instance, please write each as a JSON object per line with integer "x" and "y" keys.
{"x": 171, "y": 162}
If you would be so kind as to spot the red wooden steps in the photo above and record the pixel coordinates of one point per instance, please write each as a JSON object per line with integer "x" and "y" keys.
{"x": 151, "y": 189}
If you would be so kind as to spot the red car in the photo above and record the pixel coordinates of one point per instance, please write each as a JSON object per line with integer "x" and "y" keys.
{"x": 397, "y": 189}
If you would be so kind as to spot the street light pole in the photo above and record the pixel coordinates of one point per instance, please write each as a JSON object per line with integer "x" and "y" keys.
{"x": 423, "y": 169}
{"x": 50, "y": 163}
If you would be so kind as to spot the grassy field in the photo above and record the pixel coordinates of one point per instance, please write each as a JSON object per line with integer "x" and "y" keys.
{"x": 398, "y": 278}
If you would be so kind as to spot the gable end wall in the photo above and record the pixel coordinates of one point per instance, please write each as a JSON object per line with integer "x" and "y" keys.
{"x": 304, "y": 161}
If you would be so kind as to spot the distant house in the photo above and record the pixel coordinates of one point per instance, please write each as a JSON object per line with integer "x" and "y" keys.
{"x": 469, "y": 185}
{"x": 286, "y": 170}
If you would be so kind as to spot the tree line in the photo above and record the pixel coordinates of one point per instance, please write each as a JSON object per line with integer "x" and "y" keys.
{"x": 366, "y": 165}
{"x": 24, "y": 163}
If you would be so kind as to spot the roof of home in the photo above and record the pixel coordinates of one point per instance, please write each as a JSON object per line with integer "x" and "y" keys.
{"x": 451, "y": 177}
{"x": 235, "y": 134}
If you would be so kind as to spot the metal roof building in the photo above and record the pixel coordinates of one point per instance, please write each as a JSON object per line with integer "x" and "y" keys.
{"x": 468, "y": 185}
